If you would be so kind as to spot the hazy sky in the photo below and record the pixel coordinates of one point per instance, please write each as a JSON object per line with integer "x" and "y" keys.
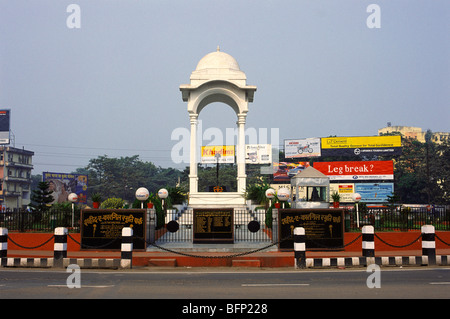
{"x": 111, "y": 86}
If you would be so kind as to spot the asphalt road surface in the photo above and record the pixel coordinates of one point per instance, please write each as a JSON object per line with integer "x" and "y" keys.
{"x": 226, "y": 283}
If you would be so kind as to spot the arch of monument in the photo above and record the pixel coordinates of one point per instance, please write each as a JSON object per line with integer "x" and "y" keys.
{"x": 217, "y": 78}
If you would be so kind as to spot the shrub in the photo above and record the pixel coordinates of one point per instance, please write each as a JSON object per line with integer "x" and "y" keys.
{"x": 113, "y": 203}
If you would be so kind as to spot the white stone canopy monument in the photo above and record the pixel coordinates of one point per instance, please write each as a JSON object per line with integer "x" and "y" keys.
{"x": 217, "y": 78}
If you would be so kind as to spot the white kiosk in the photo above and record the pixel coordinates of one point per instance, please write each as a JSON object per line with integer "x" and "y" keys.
{"x": 311, "y": 189}
{"x": 217, "y": 78}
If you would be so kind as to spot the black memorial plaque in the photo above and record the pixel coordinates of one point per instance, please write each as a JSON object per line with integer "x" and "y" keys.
{"x": 213, "y": 225}
{"x": 99, "y": 228}
{"x": 324, "y": 228}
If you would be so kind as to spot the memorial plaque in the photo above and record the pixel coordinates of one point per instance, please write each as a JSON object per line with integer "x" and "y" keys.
{"x": 324, "y": 228}
{"x": 99, "y": 228}
{"x": 213, "y": 225}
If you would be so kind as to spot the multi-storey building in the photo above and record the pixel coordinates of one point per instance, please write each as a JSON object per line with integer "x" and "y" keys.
{"x": 415, "y": 133}
{"x": 15, "y": 177}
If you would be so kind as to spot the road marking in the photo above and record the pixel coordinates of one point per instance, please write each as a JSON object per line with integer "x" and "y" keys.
{"x": 440, "y": 283}
{"x": 83, "y": 286}
{"x": 271, "y": 285}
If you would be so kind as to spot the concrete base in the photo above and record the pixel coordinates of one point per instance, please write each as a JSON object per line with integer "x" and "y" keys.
{"x": 217, "y": 200}
{"x": 189, "y": 247}
{"x": 299, "y": 204}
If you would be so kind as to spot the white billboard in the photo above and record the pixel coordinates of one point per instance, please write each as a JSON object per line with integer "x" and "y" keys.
{"x": 258, "y": 154}
{"x": 307, "y": 147}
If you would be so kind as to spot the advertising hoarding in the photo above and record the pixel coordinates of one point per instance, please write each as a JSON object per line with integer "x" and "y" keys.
{"x": 361, "y": 145}
{"x": 345, "y": 191}
{"x": 226, "y": 152}
{"x": 63, "y": 184}
{"x": 258, "y": 153}
{"x": 4, "y": 126}
{"x": 374, "y": 193}
{"x": 357, "y": 170}
{"x": 284, "y": 171}
{"x": 307, "y": 147}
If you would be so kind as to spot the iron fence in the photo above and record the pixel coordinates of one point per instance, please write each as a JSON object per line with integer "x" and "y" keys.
{"x": 28, "y": 221}
{"x": 398, "y": 219}
{"x": 242, "y": 231}
{"x": 383, "y": 219}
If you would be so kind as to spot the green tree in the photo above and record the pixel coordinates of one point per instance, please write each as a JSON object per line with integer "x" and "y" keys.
{"x": 422, "y": 172}
{"x": 256, "y": 192}
{"x": 121, "y": 177}
{"x": 440, "y": 173}
{"x": 41, "y": 197}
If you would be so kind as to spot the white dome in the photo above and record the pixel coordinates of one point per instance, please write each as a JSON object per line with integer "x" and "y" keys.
{"x": 217, "y": 60}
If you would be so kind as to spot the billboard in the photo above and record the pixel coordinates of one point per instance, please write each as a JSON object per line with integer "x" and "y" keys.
{"x": 258, "y": 154}
{"x": 370, "y": 192}
{"x": 4, "y": 126}
{"x": 284, "y": 171}
{"x": 63, "y": 184}
{"x": 374, "y": 193}
{"x": 345, "y": 191}
{"x": 307, "y": 147}
{"x": 361, "y": 145}
{"x": 357, "y": 170}
{"x": 226, "y": 152}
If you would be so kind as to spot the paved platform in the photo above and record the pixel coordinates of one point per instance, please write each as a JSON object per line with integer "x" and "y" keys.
{"x": 225, "y": 256}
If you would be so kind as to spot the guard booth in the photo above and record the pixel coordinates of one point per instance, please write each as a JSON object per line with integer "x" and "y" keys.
{"x": 310, "y": 189}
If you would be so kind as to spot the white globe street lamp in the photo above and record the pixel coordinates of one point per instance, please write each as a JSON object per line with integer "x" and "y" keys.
{"x": 356, "y": 198}
{"x": 283, "y": 195}
{"x": 142, "y": 194}
{"x": 73, "y": 198}
{"x": 163, "y": 193}
{"x": 270, "y": 193}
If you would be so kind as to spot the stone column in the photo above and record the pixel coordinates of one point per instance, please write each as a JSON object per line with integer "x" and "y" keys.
{"x": 193, "y": 178}
{"x": 241, "y": 176}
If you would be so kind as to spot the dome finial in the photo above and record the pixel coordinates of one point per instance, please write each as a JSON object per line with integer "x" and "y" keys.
{"x": 218, "y": 48}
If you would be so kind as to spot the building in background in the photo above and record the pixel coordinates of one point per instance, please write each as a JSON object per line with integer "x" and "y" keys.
{"x": 415, "y": 133}
{"x": 15, "y": 177}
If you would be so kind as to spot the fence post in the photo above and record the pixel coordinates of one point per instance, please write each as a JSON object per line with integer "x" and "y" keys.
{"x": 151, "y": 224}
{"x": 3, "y": 242}
{"x": 429, "y": 243}
{"x": 299, "y": 247}
{"x": 368, "y": 241}
{"x": 60, "y": 246}
{"x": 126, "y": 248}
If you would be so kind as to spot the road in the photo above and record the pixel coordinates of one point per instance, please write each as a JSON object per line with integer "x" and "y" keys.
{"x": 226, "y": 283}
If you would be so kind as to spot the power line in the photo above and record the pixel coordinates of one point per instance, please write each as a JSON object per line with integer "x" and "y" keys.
{"x": 98, "y": 148}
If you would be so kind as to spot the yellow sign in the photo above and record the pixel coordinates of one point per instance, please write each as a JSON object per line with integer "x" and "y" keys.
{"x": 226, "y": 153}
{"x": 361, "y": 142}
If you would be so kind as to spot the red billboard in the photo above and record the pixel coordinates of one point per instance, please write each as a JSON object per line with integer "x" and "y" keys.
{"x": 362, "y": 170}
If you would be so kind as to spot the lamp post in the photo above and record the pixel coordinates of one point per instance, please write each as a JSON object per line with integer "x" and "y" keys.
{"x": 217, "y": 156}
{"x": 142, "y": 195}
{"x": 283, "y": 195}
{"x": 73, "y": 198}
{"x": 356, "y": 198}
{"x": 270, "y": 193}
{"x": 163, "y": 193}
